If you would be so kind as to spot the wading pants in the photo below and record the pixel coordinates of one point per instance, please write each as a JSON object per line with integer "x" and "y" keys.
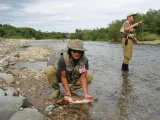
{"x": 127, "y": 49}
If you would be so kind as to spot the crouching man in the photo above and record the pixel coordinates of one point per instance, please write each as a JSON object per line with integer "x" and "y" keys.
{"x": 72, "y": 70}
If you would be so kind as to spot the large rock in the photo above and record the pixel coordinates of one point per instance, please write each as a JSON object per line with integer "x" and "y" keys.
{"x": 2, "y": 92}
{"x": 10, "y": 91}
{"x": 7, "y": 77}
{"x": 28, "y": 114}
{"x": 10, "y": 105}
{"x": 3, "y": 63}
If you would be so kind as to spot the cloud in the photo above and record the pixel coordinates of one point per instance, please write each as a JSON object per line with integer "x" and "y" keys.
{"x": 67, "y": 15}
{"x": 4, "y": 7}
{"x": 49, "y": 8}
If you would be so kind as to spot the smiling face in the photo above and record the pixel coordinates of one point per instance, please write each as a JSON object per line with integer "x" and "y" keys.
{"x": 76, "y": 54}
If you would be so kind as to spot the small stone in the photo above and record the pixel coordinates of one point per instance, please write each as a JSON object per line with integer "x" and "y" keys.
{"x": 49, "y": 108}
{"x": 21, "y": 108}
{"x": 17, "y": 82}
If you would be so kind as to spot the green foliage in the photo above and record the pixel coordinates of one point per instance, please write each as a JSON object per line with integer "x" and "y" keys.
{"x": 152, "y": 21}
{"x": 8, "y": 31}
{"x": 148, "y": 36}
{"x": 149, "y": 30}
{"x": 95, "y": 35}
{"x": 114, "y": 30}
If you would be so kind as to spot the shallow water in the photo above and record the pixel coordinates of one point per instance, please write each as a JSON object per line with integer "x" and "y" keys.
{"x": 121, "y": 96}
{"x": 31, "y": 65}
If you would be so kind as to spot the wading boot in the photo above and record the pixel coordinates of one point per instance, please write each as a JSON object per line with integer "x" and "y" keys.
{"x": 124, "y": 67}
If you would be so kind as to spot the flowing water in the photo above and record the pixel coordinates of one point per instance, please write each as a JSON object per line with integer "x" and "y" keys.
{"x": 121, "y": 96}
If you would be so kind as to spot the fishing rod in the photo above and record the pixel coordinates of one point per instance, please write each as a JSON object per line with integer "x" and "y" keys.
{"x": 40, "y": 110}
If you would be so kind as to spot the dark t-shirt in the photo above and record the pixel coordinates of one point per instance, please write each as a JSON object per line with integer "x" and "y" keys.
{"x": 62, "y": 64}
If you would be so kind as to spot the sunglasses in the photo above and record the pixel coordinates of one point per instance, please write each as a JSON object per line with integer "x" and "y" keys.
{"x": 76, "y": 51}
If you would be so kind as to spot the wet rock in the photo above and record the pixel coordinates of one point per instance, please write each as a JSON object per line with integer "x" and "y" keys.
{"x": 10, "y": 105}
{"x": 28, "y": 114}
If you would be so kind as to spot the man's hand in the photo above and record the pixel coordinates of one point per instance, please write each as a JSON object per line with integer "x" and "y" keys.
{"x": 140, "y": 22}
{"x": 136, "y": 24}
{"x": 138, "y": 42}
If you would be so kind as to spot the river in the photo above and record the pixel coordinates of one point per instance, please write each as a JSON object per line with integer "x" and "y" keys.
{"x": 121, "y": 96}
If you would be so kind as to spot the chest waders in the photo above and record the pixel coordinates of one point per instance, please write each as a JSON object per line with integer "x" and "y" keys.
{"x": 127, "y": 44}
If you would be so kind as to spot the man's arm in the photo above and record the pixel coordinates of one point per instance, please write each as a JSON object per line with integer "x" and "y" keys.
{"x": 84, "y": 86}
{"x": 63, "y": 76}
{"x": 136, "y": 40}
{"x": 65, "y": 83}
{"x": 129, "y": 27}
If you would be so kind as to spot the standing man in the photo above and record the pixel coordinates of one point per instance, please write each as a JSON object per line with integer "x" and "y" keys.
{"x": 128, "y": 38}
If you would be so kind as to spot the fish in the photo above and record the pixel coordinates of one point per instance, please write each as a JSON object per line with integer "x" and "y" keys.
{"x": 77, "y": 99}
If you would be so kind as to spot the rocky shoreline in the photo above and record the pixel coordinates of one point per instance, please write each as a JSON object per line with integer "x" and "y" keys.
{"x": 155, "y": 42}
{"x": 25, "y": 93}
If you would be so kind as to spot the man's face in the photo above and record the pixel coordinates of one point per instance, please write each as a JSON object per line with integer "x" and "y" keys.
{"x": 131, "y": 18}
{"x": 76, "y": 54}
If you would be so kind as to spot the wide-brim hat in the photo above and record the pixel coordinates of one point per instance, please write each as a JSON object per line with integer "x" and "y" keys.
{"x": 131, "y": 14}
{"x": 76, "y": 45}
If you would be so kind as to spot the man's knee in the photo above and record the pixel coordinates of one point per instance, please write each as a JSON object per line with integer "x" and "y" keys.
{"x": 51, "y": 70}
{"x": 51, "y": 73}
{"x": 89, "y": 76}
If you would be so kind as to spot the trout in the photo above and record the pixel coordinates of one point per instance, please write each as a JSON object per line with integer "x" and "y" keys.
{"x": 77, "y": 100}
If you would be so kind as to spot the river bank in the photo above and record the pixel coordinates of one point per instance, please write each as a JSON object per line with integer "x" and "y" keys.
{"x": 120, "y": 96}
{"x": 154, "y": 42}
{"x": 32, "y": 83}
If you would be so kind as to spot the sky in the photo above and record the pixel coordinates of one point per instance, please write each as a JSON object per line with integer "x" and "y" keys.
{"x": 68, "y": 15}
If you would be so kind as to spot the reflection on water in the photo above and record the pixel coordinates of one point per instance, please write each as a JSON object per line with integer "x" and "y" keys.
{"x": 125, "y": 96}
